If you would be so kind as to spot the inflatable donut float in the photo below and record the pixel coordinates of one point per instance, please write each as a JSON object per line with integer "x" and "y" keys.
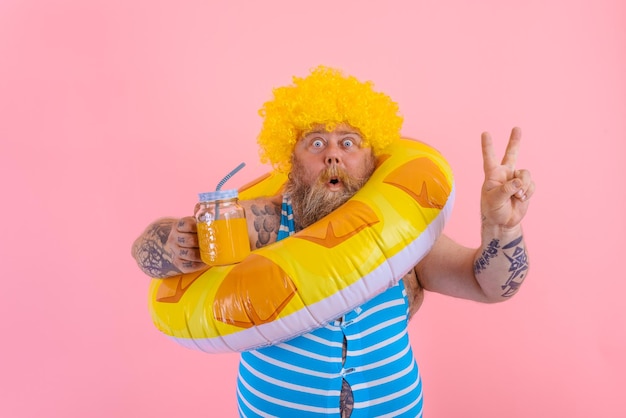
{"x": 320, "y": 273}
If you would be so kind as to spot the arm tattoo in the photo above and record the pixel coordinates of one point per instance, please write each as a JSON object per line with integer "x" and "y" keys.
{"x": 518, "y": 263}
{"x": 488, "y": 253}
{"x": 518, "y": 268}
{"x": 266, "y": 222}
{"x": 150, "y": 253}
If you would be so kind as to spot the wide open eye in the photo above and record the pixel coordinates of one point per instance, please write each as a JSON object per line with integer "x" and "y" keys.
{"x": 317, "y": 143}
{"x": 348, "y": 143}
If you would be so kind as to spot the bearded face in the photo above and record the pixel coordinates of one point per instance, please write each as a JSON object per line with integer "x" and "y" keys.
{"x": 312, "y": 199}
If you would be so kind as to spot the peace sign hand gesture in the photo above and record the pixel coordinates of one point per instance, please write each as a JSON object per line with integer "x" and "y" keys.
{"x": 506, "y": 191}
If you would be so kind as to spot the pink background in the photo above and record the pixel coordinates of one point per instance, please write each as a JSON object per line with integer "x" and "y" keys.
{"x": 116, "y": 112}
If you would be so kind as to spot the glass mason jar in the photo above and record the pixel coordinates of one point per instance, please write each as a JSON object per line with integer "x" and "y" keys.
{"x": 222, "y": 228}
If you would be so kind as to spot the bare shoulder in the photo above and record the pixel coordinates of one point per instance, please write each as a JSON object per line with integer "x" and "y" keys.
{"x": 263, "y": 216}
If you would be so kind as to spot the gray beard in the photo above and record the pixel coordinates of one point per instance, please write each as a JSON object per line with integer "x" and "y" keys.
{"x": 312, "y": 203}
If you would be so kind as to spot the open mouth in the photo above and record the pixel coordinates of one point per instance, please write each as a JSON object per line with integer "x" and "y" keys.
{"x": 335, "y": 184}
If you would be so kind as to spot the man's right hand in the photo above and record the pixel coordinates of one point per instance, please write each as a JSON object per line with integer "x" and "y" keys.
{"x": 168, "y": 247}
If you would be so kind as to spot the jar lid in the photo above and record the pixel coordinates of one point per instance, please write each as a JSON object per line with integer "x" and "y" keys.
{"x": 218, "y": 195}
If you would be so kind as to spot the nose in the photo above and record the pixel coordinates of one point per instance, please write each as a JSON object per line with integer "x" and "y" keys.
{"x": 332, "y": 155}
{"x": 332, "y": 161}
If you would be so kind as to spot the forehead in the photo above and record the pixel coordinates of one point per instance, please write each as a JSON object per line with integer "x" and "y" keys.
{"x": 342, "y": 128}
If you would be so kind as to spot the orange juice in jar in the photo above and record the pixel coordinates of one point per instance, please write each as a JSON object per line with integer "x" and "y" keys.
{"x": 222, "y": 228}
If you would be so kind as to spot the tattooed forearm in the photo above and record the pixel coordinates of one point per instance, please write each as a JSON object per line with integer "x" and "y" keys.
{"x": 488, "y": 253}
{"x": 266, "y": 222}
{"x": 515, "y": 253}
{"x": 150, "y": 254}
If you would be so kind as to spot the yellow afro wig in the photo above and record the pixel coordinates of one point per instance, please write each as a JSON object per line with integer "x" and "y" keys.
{"x": 325, "y": 97}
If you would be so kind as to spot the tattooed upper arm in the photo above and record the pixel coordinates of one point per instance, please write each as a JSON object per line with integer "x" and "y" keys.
{"x": 265, "y": 215}
{"x": 150, "y": 253}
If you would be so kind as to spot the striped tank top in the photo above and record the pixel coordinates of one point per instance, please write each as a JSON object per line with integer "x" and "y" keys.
{"x": 302, "y": 377}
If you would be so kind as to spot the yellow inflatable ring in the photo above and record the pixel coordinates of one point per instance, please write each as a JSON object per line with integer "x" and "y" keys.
{"x": 322, "y": 272}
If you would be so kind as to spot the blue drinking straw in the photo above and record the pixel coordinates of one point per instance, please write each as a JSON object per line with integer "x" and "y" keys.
{"x": 229, "y": 175}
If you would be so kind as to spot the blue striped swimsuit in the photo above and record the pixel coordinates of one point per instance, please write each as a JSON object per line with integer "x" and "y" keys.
{"x": 302, "y": 377}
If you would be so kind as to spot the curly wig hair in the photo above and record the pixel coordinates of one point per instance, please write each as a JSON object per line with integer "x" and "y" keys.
{"x": 329, "y": 98}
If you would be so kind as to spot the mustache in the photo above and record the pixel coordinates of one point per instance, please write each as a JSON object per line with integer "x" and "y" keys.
{"x": 334, "y": 172}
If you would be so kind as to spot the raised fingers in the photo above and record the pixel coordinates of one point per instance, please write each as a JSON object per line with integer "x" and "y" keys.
{"x": 490, "y": 161}
{"x": 489, "y": 155}
{"x": 512, "y": 148}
